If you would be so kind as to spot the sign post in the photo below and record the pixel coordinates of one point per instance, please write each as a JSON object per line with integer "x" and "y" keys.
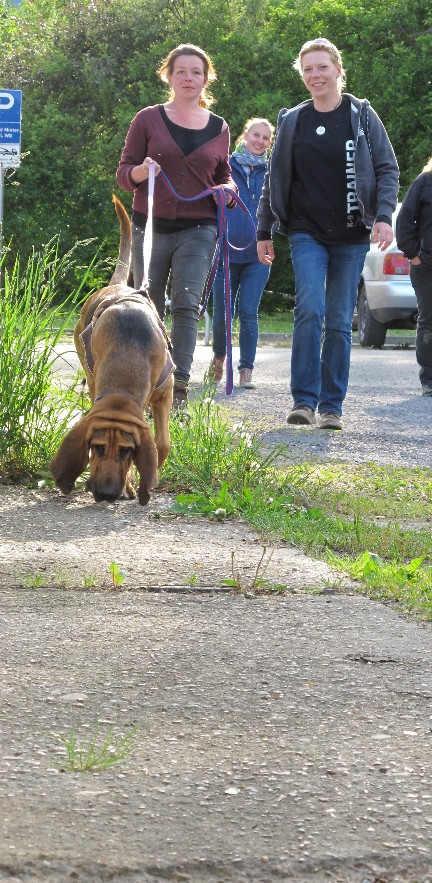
{"x": 10, "y": 141}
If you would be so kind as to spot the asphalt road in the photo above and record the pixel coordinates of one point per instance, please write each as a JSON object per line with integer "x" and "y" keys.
{"x": 281, "y": 739}
{"x": 385, "y": 417}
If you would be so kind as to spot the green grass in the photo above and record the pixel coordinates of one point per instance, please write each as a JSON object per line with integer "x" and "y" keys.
{"x": 276, "y": 323}
{"x": 258, "y": 582}
{"x": 371, "y": 522}
{"x": 407, "y": 583}
{"x": 211, "y": 457}
{"x": 97, "y": 755}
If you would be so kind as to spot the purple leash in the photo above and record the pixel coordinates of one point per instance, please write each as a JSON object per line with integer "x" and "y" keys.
{"x": 222, "y": 250}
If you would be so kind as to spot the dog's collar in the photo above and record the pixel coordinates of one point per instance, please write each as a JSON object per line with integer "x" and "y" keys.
{"x": 166, "y": 373}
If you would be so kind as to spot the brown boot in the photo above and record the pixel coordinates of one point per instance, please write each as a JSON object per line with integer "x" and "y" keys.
{"x": 246, "y": 379}
{"x": 216, "y": 367}
{"x": 301, "y": 415}
{"x": 330, "y": 421}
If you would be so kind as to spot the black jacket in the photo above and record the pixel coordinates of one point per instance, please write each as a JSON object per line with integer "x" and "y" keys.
{"x": 376, "y": 169}
{"x": 414, "y": 221}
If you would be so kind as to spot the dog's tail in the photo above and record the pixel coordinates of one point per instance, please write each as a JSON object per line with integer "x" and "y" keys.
{"x": 121, "y": 272}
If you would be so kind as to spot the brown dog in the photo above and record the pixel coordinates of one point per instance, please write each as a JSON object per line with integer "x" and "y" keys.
{"x": 128, "y": 366}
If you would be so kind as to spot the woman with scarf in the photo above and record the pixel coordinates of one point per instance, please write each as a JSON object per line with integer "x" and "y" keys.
{"x": 248, "y": 276}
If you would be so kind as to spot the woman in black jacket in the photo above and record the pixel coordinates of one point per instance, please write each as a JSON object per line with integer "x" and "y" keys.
{"x": 414, "y": 238}
{"x": 332, "y": 177}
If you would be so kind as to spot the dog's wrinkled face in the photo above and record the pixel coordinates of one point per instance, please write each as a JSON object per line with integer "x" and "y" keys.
{"x": 111, "y": 457}
{"x": 112, "y": 449}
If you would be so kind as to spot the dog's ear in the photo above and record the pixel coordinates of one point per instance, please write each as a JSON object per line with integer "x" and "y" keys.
{"x": 146, "y": 461}
{"x": 71, "y": 458}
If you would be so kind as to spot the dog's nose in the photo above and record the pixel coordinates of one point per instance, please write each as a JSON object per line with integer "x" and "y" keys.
{"x": 109, "y": 498}
{"x": 105, "y": 496}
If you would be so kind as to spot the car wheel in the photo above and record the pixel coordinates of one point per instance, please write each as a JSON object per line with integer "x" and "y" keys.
{"x": 370, "y": 332}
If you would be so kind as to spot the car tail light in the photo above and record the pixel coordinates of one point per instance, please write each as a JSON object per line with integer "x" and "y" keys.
{"x": 396, "y": 264}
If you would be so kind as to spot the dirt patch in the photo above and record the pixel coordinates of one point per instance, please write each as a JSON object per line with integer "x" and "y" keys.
{"x": 71, "y": 542}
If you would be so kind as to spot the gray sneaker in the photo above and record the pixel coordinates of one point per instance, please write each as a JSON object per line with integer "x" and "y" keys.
{"x": 301, "y": 415}
{"x": 426, "y": 389}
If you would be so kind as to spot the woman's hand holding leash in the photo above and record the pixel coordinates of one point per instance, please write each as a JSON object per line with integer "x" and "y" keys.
{"x": 141, "y": 173}
{"x": 230, "y": 202}
{"x": 222, "y": 243}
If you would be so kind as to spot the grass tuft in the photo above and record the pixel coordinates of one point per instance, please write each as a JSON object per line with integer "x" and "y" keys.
{"x": 215, "y": 459}
{"x": 96, "y": 757}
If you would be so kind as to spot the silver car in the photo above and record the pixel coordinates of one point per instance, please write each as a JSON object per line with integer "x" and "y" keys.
{"x": 386, "y": 297}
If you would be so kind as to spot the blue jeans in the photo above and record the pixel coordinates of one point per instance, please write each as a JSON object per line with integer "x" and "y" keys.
{"x": 326, "y": 284}
{"x": 247, "y": 285}
{"x": 187, "y": 255}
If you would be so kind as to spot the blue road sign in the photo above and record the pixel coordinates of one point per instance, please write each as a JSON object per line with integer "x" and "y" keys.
{"x": 10, "y": 127}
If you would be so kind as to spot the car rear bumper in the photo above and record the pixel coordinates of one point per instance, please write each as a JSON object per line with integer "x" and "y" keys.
{"x": 391, "y": 301}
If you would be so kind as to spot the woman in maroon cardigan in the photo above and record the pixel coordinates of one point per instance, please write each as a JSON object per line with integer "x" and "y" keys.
{"x": 191, "y": 145}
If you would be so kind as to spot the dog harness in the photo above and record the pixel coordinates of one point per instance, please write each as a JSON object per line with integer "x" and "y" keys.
{"x": 111, "y": 301}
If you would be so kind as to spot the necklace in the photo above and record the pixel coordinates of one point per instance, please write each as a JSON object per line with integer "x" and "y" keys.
{"x": 320, "y": 130}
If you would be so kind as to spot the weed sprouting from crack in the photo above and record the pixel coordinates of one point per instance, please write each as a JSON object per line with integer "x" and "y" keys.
{"x": 117, "y": 577}
{"x": 259, "y": 581}
{"x": 93, "y": 757}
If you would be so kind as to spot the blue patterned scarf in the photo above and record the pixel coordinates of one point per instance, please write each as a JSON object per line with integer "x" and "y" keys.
{"x": 249, "y": 160}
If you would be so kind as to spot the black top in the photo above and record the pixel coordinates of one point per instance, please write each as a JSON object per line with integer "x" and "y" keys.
{"x": 323, "y": 198}
{"x": 414, "y": 221}
{"x": 189, "y": 140}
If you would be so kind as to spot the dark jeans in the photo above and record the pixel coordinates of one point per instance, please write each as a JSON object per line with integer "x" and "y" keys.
{"x": 187, "y": 254}
{"x": 247, "y": 285}
{"x": 421, "y": 279}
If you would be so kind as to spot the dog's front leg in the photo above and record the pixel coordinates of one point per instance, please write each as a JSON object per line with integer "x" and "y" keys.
{"x": 129, "y": 485}
{"x": 161, "y": 406}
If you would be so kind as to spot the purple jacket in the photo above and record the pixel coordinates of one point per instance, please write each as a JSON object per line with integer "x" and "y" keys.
{"x": 189, "y": 175}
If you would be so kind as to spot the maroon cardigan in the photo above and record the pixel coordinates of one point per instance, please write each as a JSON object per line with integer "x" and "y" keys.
{"x": 189, "y": 175}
